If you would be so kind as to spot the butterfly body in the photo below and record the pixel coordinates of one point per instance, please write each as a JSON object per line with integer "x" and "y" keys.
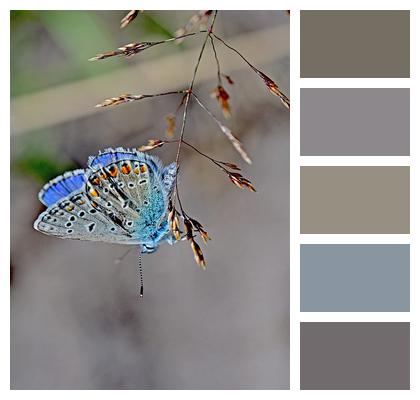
{"x": 121, "y": 197}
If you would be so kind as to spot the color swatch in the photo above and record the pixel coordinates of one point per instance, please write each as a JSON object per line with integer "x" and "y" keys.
{"x": 355, "y": 44}
{"x": 355, "y": 122}
{"x": 356, "y": 199}
{"x": 355, "y": 278}
{"x": 341, "y": 196}
{"x": 355, "y": 355}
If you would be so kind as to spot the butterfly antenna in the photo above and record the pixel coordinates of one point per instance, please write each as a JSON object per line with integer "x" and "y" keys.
{"x": 141, "y": 275}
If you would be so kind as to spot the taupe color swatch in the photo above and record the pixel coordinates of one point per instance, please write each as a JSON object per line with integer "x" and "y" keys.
{"x": 355, "y": 355}
{"x": 355, "y": 122}
{"x": 356, "y": 199}
{"x": 355, "y": 44}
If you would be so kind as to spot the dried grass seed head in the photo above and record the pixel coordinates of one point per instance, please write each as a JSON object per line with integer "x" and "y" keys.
{"x": 114, "y": 101}
{"x": 129, "y": 18}
{"x": 128, "y": 50}
{"x": 170, "y": 125}
{"x": 152, "y": 144}
{"x": 199, "y": 19}
{"x": 198, "y": 254}
{"x": 222, "y": 96}
{"x": 273, "y": 88}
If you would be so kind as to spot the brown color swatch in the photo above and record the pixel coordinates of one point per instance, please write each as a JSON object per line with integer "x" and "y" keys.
{"x": 356, "y": 199}
{"x": 355, "y": 44}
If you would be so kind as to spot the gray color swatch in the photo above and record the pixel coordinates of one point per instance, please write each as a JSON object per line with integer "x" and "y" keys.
{"x": 355, "y": 122}
{"x": 355, "y": 277}
{"x": 355, "y": 44}
{"x": 356, "y": 199}
{"x": 355, "y": 355}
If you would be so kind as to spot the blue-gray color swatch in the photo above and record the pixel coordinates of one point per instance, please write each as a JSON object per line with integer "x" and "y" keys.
{"x": 355, "y": 277}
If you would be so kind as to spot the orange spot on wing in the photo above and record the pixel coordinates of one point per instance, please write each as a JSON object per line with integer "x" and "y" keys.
{"x": 143, "y": 168}
{"x": 103, "y": 175}
{"x": 126, "y": 168}
{"x": 94, "y": 193}
{"x": 95, "y": 180}
{"x": 113, "y": 170}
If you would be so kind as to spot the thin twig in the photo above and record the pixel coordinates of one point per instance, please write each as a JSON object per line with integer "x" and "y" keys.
{"x": 219, "y": 79}
{"x": 184, "y": 36}
{"x": 213, "y": 160}
{"x": 269, "y": 83}
{"x": 234, "y": 140}
{"x": 187, "y": 100}
{"x": 181, "y": 103}
{"x": 133, "y": 48}
{"x": 229, "y": 168}
{"x": 219, "y": 163}
{"x": 233, "y": 49}
{"x": 189, "y": 92}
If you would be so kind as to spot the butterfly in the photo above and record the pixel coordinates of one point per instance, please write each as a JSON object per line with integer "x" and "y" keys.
{"x": 121, "y": 197}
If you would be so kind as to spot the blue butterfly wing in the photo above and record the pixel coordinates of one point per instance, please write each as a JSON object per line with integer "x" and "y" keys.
{"x": 134, "y": 187}
{"x": 77, "y": 217}
{"x": 168, "y": 176}
{"x": 124, "y": 198}
{"x": 109, "y": 156}
{"x": 61, "y": 186}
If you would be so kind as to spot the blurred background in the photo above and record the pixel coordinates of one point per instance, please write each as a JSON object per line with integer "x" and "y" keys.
{"x": 76, "y": 319}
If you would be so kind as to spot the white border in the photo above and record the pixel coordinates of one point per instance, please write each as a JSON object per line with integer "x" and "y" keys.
{"x": 295, "y": 237}
{"x": 294, "y": 199}
{"x": 356, "y": 161}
